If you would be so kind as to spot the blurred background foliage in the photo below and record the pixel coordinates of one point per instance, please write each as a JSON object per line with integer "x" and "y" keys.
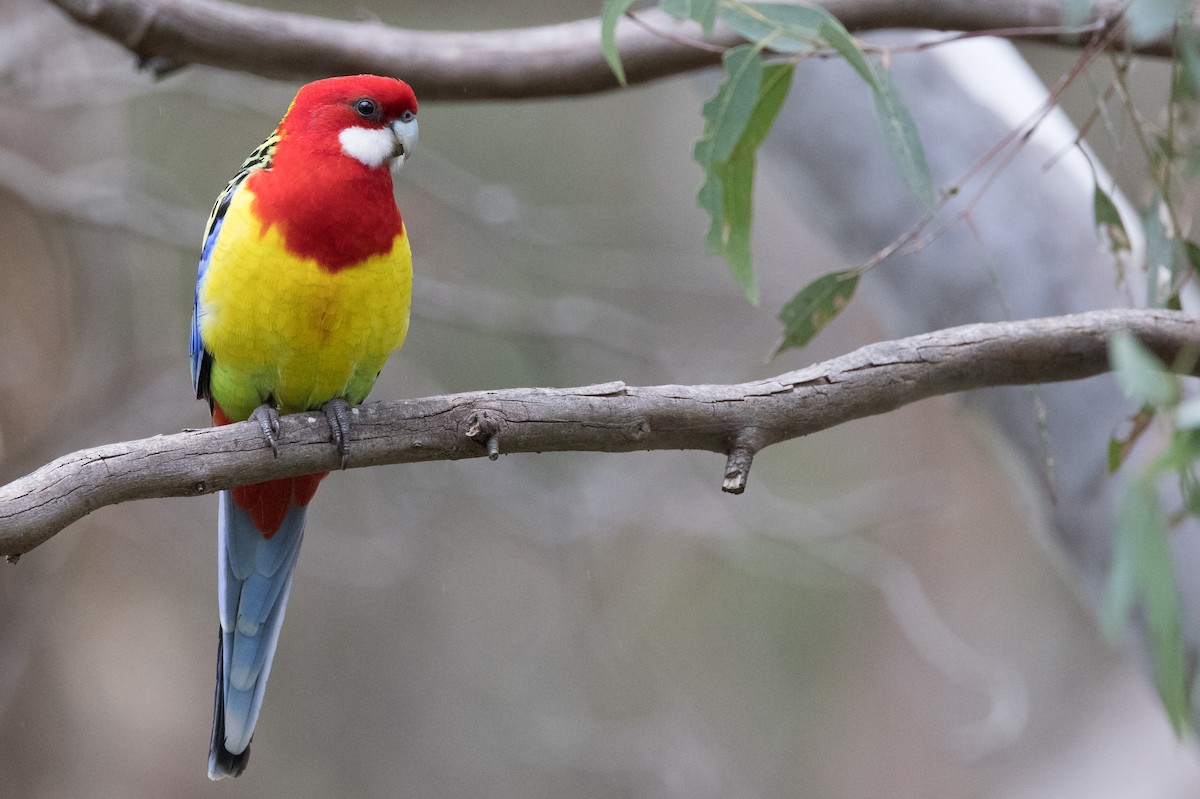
{"x": 877, "y": 615}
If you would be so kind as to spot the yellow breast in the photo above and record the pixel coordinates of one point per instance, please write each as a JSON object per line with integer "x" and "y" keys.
{"x": 280, "y": 327}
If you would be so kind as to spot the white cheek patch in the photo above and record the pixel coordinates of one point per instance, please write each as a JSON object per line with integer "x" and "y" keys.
{"x": 371, "y": 146}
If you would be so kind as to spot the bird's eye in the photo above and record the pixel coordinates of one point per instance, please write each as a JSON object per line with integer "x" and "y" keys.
{"x": 407, "y": 116}
{"x": 366, "y": 107}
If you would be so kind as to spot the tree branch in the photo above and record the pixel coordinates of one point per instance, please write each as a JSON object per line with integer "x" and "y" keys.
{"x": 545, "y": 61}
{"x": 737, "y": 420}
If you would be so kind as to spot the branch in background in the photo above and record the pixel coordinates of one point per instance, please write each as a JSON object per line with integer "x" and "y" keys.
{"x": 737, "y": 420}
{"x": 545, "y": 61}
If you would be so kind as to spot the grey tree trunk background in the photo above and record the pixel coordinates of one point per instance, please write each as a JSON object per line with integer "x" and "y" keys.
{"x": 1029, "y": 248}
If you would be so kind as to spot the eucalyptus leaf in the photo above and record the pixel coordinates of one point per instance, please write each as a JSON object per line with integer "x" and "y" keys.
{"x": 815, "y": 306}
{"x": 1075, "y": 12}
{"x": 1115, "y": 453}
{"x": 1165, "y": 255}
{"x": 1142, "y": 529}
{"x": 1143, "y": 574}
{"x": 610, "y": 12}
{"x": 1187, "y": 46}
{"x": 779, "y": 27}
{"x": 1191, "y": 251}
{"x": 736, "y": 179}
{"x": 702, "y": 11}
{"x": 726, "y": 116}
{"x": 904, "y": 143}
{"x": 728, "y": 112}
{"x": 1141, "y": 375}
{"x": 1108, "y": 219}
{"x": 1159, "y": 600}
{"x": 1138, "y": 509}
{"x": 1149, "y": 19}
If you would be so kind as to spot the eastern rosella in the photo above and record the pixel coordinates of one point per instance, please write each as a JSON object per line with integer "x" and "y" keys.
{"x": 303, "y": 292}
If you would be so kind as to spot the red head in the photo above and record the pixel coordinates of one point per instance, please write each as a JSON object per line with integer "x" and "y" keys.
{"x": 366, "y": 117}
{"x": 328, "y": 186}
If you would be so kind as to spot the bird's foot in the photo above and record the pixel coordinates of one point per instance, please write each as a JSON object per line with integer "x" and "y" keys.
{"x": 268, "y": 421}
{"x": 337, "y": 411}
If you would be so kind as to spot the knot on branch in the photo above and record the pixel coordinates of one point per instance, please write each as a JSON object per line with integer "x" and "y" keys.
{"x": 484, "y": 429}
{"x": 636, "y": 431}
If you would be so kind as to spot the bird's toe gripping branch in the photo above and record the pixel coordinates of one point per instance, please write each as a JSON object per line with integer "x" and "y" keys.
{"x": 268, "y": 421}
{"x": 337, "y": 411}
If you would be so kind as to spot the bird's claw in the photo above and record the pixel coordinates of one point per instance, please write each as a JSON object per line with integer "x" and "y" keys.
{"x": 268, "y": 421}
{"x": 337, "y": 411}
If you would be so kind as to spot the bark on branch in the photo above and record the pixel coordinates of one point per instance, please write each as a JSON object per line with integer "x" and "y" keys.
{"x": 736, "y": 420}
{"x": 545, "y": 61}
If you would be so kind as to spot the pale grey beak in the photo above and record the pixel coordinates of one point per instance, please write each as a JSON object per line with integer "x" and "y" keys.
{"x": 406, "y": 135}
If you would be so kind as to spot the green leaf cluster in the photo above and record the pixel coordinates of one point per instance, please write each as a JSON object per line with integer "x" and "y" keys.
{"x": 757, "y": 78}
{"x": 737, "y": 119}
{"x": 1170, "y": 260}
{"x": 1172, "y": 151}
{"x": 1143, "y": 575}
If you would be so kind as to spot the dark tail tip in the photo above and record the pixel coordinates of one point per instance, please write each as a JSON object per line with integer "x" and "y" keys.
{"x": 221, "y": 762}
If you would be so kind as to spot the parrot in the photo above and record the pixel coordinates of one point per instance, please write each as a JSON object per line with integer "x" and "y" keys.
{"x": 303, "y": 292}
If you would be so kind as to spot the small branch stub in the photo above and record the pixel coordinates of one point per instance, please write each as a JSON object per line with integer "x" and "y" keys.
{"x": 737, "y": 469}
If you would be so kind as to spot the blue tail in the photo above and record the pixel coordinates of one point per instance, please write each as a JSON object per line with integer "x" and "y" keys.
{"x": 254, "y": 576}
